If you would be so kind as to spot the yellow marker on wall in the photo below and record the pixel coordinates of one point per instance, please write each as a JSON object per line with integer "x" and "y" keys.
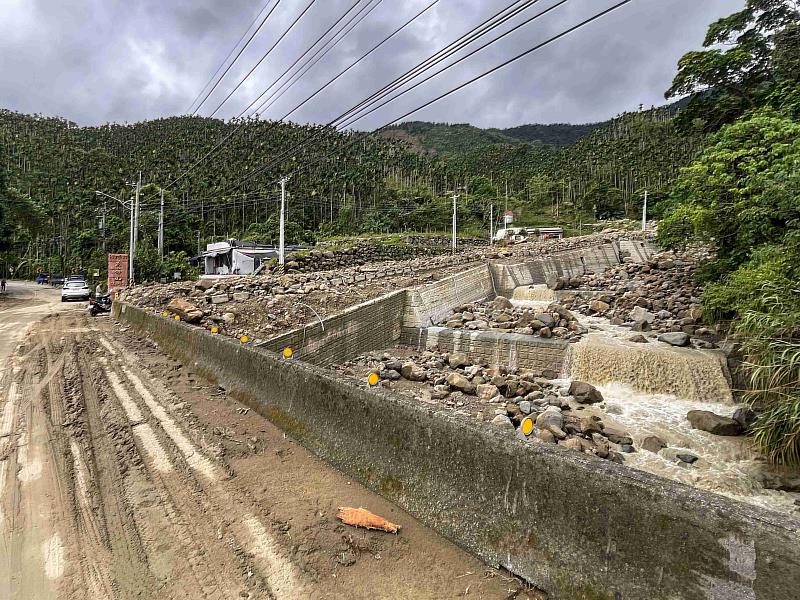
{"x": 526, "y": 426}
{"x": 373, "y": 379}
{"x": 244, "y": 339}
{"x": 215, "y": 329}
{"x": 288, "y": 352}
{"x": 177, "y": 317}
{"x": 165, "y": 314}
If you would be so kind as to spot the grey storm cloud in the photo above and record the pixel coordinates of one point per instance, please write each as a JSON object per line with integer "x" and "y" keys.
{"x": 94, "y": 61}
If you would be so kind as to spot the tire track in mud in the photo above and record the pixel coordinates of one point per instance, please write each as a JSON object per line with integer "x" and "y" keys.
{"x": 245, "y": 528}
{"x": 180, "y": 534}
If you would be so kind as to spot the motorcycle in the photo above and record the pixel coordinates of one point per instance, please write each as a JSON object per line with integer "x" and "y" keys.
{"x": 100, "y": 305}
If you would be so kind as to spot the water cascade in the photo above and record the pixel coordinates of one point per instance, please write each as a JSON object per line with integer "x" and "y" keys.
{"x": 651, "y": 368}
{"x": 533, "y": 296}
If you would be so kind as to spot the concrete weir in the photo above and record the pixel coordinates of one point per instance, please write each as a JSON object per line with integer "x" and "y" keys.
{"x": 575, "y": 526}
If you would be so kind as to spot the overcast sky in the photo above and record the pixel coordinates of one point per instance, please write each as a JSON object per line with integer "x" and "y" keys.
{"x": 94, "y": 61}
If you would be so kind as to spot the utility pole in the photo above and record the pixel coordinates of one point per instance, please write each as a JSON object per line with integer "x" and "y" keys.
{"x": 455, "y": 197}
{"x": 644, "y": 212}
{"x": 281, "y": 255}
{"x": 491, "y": 224}
{"x": 135, "y": 238}
{"x": 161, "y": 229}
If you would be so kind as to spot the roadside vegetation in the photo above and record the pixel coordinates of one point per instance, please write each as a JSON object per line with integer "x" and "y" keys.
{"x": 742, "y": 197}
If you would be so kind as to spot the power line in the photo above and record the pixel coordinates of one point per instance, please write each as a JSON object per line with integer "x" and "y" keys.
{"x": 260, "y": 60}
{"x": 308, "y": 51}
{"x": 355, "y": 118}
{"x": 241, "y": 125}
{"x": 243, "y": 48}
{"x": 307, "y": 67}
{"x": 479, "y": 30}
{"x": 463, "y": 85}
{"x": 361, "y": 58}
{"x": 236, "y": 45}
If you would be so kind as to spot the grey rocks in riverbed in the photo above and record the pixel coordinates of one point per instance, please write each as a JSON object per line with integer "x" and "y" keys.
{"x": 705, "y": 420}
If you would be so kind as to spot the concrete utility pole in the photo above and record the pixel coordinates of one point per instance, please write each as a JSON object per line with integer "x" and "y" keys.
{"x": 455, "y": 197}
{"x": 491, "y": 224}
{"x": 644, "y": 212}
{"x": 281, "y": 255}
{"x": 135, "y": 227}
{"x": 161, "y": 229}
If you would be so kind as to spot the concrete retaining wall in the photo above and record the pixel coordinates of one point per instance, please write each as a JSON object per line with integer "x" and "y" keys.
{"x": 576, "y": 526}
{"x": 429, "y": 304}
{"x": 544, "y": 356}
{"x": 571, "y": 263}
{"x": 373, "y": 325}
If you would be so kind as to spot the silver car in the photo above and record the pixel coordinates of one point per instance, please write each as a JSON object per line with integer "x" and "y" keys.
{"x": 74, "y": 290}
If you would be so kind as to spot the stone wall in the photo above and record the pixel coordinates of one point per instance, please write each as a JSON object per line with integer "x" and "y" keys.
{"x": 373, "y": 325}
{"x": 578, "y": 527}
{"x": 544, "y": 356}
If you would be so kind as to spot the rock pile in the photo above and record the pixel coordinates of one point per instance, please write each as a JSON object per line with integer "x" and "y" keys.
{"x": 364, "y": 252}
{"x": 660, "y": 296}
{"x": 501, "y": 315}
{"x": 506, "y": 397}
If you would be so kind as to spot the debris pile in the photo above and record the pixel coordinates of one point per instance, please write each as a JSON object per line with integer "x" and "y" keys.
{"x": 659, "y": 296}
{"x": 502, "y": 316}
{"x": 506, "y": 397}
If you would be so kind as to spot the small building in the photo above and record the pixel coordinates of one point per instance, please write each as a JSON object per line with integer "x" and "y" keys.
{"x": 234, "y": 257}
{"x": 546, "y": 233}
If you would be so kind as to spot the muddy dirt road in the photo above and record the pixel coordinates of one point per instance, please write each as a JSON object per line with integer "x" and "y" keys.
{"x": 124, "y": 475}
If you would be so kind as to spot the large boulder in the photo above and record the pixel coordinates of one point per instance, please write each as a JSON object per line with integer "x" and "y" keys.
{"x": 553, "y": 421}
{"x": 487, "y": 391}
{"x": 706, "y": 420}
{"x": 413, "y": 372}
{"x": 674, "y": 338}
{"x": 641, "y": 315}
{"x": 585, "y": 393}
{"x": 545, "y": 318}
{"x": 653, "y": 443}
{"x": 457, "y": 359}
{"x": 599, "y": 306}
{"x": 501, "y": 303}
{"x": 187, "y": 311}
{"x": 461, "y": 383}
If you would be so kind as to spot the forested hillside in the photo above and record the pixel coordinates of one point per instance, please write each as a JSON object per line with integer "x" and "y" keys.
{"x": 221, "y": 180}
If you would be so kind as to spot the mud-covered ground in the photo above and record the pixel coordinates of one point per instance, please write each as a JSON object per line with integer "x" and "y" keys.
{"x": 125, "y": 475}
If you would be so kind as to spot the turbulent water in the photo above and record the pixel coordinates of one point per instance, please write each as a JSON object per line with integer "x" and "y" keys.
{"x": 533, "y": 295}
{"x": 727, "y": 465}
{"x": 649, "y": 389}
{"x": 654, "y": 368}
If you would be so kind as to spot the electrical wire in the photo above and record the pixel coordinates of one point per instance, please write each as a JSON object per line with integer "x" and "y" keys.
{"x": 230, "y": 53}
{"x": 358, "y": 61}
{"x": 261, "y": 60}
{"x": 243, "y": 48}
{"x": 321, "y": 49}
{"x": 460, "y": 86}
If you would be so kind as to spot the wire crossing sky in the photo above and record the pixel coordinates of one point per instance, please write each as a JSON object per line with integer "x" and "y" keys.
{"x": 94, "y": 61}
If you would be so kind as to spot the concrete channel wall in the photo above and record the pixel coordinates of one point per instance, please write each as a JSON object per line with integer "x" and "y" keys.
{"x": 544, "y": 356}
{"x": 430, "y": 303}
{"x": 578, "y": 527}
{"x": 373, "y": 325}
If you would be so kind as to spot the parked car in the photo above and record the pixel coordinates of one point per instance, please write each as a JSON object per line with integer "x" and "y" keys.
{"x": 75, "y": 278}
{"x": 56, "y": 280}
{"x": 75, "y": 290}
{"x": 42, "y": 278}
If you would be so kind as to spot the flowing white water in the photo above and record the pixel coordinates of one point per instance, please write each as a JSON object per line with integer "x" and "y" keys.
{"x": 533, "y": 296}
{"x": 649, "y": 389}
{"x": 726, "y": 465}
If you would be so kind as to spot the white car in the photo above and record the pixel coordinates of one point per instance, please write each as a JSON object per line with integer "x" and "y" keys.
{"x": 74, "y": 290}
